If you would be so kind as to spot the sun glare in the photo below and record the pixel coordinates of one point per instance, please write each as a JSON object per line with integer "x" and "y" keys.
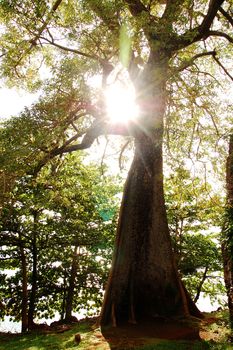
{"x": 120, "y": 103}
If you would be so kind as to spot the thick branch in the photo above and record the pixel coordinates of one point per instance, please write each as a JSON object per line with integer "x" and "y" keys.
{"x": 220, "y": 34}
{"x": 226, "y": 15}
{"x": 136, "y": 7}
{"x": 214, "y": 6}
{"x": 46, "y": 22}
{"x": 190, "y": 62}
{"x": 200, "y": 32}
{"x": 172, "y": 9}
{"x": 97, "y": 129}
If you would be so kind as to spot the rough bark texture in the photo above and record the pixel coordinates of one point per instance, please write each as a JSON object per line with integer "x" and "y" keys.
{"x": 227, "y": 244}
{"x": 144, "y": 281}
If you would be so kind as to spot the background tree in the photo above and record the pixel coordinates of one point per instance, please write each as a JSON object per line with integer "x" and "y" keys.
{"x": 227, "y": 238}
{"x": 194, "y": 217}
{"x": 59, "y": 227}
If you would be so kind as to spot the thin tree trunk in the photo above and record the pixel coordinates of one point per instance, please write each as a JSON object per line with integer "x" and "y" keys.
{"x": 227, "y": 242}
{"x": 71, "y": 287}
{"x": 201, "y": 284}
{"x": 63, "y": 306}
{"x": 32, "y": 300}
{"x": 24, "y": 315}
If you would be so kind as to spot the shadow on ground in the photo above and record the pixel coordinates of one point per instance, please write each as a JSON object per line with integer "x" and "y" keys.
{"x": 130, "y": 336}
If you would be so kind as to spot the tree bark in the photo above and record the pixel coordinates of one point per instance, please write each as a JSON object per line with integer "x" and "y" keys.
{"x": 201, "y": 284}
{"x": 32, "y": 300}
{"x": 227, "y": 242}
{"x": 144, "y": 282}
{"x": 24, "y": 315}
{"x": 71, "y": 287}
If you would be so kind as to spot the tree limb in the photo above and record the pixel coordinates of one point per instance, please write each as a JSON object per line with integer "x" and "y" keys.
{"x": 69, "y": 49}
{"x": 224, "y": 69}
{"x": 97, "y": 129}
{"x": 199, "y": 287}
{"x": 121, "y": 154}
{"x": 226, "y": 15}
{"x": 214, "y": 6}
{"x": 136, "y": 7}
{"x": 190, "y": 62}
{"x": 220, "y": 34}
{"x": 172, "y": 9}
{"x": 200, "y": 32}
{"x": 46, "y": 22}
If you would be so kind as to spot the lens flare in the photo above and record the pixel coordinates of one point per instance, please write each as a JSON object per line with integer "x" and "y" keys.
{"x": 120, "y": 103}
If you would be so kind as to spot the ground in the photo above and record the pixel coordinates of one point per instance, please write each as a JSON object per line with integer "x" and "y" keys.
{"x": 210, "y": 333}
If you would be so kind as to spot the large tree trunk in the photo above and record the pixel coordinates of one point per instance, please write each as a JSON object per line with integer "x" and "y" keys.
{"x": 144, "y": 282}
{"x": 227, "y": 243}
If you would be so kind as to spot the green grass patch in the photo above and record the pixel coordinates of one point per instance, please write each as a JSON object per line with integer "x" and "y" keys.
{"x": 39, "y": 341}
{"x": 91, "y": 339}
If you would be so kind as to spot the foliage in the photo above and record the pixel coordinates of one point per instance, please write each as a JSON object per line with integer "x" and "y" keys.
{"x": 69, "y": 200}
{"x": 194, "y": 216}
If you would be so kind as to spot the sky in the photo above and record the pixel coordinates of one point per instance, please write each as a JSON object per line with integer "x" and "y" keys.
{"x": 13, "y": 101}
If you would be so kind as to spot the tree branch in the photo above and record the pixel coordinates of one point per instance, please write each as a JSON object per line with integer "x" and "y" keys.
{"x": 97, "y": 129}
{"x": 220, "y": 34}
{"x": 136, "y": 7}
{"x": 200, "y": 32}
{"x": 69, "y": 49}
{"x": 226, "y": 15}
{"x": 214, "y": 6}
{"x": 191, "y": 61}
{"x": 121, "y": 154}
{"x": 224, "y": 69}
{"x": 34, "y": 40}
{"x": 46, "y": 22}
{"x": 172, "y": 9}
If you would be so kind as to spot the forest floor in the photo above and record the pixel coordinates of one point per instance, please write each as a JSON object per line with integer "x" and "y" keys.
{"x": 210, "y": 333}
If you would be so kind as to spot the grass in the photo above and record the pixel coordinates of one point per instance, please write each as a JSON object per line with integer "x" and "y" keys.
{"x": 40, "y": 341}
{"x": 91, "y": 339}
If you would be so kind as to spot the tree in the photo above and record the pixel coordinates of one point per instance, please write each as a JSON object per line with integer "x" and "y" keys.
{"x": 194, "y": 218}
{"x": 14, "y": 247}
{"x": 55, "y": 226}
{"x": 227, "y": 236}
{"x": 163, "y": 40}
